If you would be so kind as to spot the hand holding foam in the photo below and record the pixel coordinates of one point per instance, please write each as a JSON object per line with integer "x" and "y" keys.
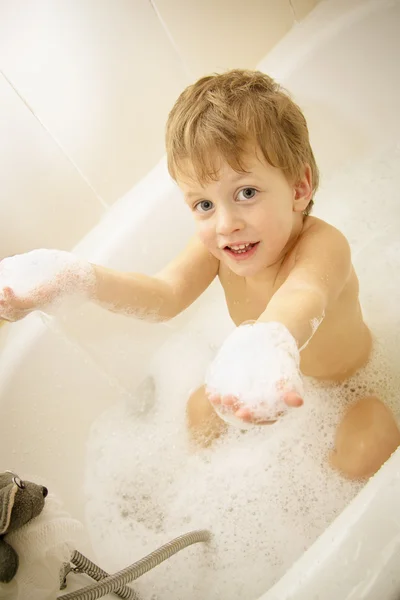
{"x": 255, "y": 376}
{"x": 36, "y": 279}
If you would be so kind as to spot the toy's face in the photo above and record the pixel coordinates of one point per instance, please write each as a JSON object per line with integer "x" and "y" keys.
{"x": 25, "y": 498}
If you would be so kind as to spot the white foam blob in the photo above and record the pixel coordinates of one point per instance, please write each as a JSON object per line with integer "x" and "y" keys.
{"x": 258, "y": 363}
{"x": 43, "y": 276}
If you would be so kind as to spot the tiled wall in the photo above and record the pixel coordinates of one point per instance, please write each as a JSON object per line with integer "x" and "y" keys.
{"x": 85, "y": 90}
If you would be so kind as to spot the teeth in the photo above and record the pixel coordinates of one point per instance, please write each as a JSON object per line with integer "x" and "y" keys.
{"x": 241, "y": 247}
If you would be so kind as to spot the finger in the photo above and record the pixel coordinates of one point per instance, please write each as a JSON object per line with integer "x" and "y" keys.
{"x": 244, "y": 414}
{"x": 12, "y": 304}
{"x": 10, "y": 298}
{"x": 293, "y": 399}
{"x": 247, "y": 416}
{"x": 214, "y": 398}
{"x": 6, "y": 318}
{"x": 229, "y": 400}
{"x": 8, "y": 293}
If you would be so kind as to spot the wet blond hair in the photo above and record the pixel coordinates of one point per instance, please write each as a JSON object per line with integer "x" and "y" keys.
{"x": 221, "y": 115}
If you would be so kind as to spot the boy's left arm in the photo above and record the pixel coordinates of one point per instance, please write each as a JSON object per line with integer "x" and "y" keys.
{"x": 259, "y": 389}
{"x": 322, "y": 268}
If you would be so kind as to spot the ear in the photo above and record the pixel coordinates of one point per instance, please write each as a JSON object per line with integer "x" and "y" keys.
{"x": 302, "y": 191}
{"x": 7, "y": 498}
{"x": 9, "y": 563}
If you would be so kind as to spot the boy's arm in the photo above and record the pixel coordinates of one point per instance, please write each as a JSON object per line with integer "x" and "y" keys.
{"x": 162, "y": 296}
{"x": 52, "y": 274}
{"x": 266, "y": 382}
{"x": 322, "y": 267}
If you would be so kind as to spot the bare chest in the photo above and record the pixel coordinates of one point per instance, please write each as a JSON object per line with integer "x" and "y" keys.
{"x": 246, "y": 302}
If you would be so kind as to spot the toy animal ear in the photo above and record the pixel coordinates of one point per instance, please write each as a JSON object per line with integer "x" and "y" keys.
{"x": 7, "y": 498}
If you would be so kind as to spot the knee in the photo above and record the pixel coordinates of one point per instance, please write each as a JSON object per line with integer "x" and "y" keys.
{"x": 365, "y": 439}
{"x": 203, "y": 422}
{"x": 198, "y": 408}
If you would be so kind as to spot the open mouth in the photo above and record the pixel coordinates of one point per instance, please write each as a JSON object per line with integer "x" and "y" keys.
{"x": 241, "y": 251}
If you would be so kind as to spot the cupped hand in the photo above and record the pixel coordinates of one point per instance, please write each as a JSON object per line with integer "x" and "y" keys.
{"x": 231, "y": 404}
{"x": 34, "y": 280}
{"x": 255, "y": 377}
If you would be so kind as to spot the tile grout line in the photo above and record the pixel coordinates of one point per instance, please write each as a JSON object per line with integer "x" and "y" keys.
{"x": 188, "y": 73}
{"x": 296, "y": 20}
{"x": 60, "y": 146}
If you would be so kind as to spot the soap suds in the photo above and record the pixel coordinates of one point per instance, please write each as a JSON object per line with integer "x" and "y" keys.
{"x": 42, "y": 276}
{"x": 258, "y": 364}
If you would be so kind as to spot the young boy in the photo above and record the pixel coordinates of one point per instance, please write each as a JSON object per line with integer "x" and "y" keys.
{"x": 238, "y": 147}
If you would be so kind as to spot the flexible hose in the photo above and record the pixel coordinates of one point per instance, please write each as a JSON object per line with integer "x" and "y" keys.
{"x": 84, "y": 565}
{"x": 115, "y": 582}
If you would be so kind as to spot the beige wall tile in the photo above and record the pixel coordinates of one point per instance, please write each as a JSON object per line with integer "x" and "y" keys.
{"x": 102, "y": 75}
{"x": 303, "y": 7}
{"x": 43, "y": 200}
{"x": 214, "y": 35}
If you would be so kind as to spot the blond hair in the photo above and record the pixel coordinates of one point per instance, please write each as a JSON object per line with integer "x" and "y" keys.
{"x": 221, "y": 114}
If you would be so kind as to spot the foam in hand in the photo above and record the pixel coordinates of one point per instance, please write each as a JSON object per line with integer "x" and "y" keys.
{"x": 258, "y": 364}
{"x": 44, "y": 275}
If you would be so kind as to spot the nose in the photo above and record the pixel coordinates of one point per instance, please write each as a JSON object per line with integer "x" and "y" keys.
{"x": 228, "y": 221}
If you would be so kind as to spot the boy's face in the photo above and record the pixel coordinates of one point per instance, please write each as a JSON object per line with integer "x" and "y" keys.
{"x": 247, "y": 220}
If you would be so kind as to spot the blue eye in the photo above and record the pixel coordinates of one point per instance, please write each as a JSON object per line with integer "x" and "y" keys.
{"x": 248, "y": 193}
{"x": 204, "y": 206}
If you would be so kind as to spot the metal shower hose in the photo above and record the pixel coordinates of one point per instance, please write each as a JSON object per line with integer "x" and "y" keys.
{"x": 116, "y": 583}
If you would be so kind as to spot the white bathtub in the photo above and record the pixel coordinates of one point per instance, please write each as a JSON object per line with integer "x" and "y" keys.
{"x": 58, "y": 375}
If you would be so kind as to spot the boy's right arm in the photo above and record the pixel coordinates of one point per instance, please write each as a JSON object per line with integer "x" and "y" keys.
{"x": 164, "y": 295}
{"x": 155, "y": 298}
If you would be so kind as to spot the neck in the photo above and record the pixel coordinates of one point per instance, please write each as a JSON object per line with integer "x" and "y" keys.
{"x": 269, "y": 274}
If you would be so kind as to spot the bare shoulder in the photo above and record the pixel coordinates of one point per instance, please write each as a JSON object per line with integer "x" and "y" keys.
{"x": 321, "y": 239}
{"x": 321, "y": 257}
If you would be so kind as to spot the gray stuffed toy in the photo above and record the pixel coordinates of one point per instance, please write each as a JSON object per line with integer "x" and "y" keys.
{"x": 20, "y": 501}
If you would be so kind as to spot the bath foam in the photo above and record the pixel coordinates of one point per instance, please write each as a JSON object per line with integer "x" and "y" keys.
{"x": 258, "y": 363}
{"x": 126, "y": 444}
{"x": 266, "y": 494}
{"x": 44, "y": 276}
